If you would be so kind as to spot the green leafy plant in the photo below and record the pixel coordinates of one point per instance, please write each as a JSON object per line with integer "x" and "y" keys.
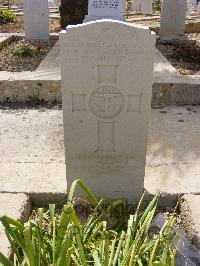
{"x": 128, "y": 5}
{"x": 60, "y": 240}
{"x": 7, "y": 16}
{"x": 24, "y": 51}
{"x": 34, "y": 100}
{"x": 157, "y": 5}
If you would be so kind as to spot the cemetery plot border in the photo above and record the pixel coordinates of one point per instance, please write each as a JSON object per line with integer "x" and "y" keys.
{"x": 184, "y": 58}
{"x": 18, "y": 25}
{"x": 21, "y": 55}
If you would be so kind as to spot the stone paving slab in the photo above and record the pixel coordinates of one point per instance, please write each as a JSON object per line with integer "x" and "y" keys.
{"x": 173, "y": 159}
{"x": 32, "y": 152}
{"x": 190, "y": 212}
{"x": 4, "y": 40}
{"x": 16, "y": 206}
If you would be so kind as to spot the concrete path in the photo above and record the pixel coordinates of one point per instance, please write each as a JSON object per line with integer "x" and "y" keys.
{"x": 50, "y": 66}
{"x": 32, "y": 164}
{"x": 173, "y": 159}
{"x": 190, "y": 213}
{"x": 17, "y": 206}
{"x": 4, "y": 40}
{"x": 32, "y": 152}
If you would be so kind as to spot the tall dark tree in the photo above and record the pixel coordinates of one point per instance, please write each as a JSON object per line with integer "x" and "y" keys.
{"x": 73, "y": 12}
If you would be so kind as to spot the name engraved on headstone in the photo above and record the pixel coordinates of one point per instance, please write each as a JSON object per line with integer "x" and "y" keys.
{"x": 87, "y": 51}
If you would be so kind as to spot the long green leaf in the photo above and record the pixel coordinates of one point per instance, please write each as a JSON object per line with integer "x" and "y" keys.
{"x": 62, "y": 227}
{"x": 97, "y": 261}
{"x": 14, "y": 247}
{"x": 11, "y": 221}
{"x": 65, "y": 251}
{"x": 150, "y": 207}
{"x": 116, "y": 257}
{"x": 4, "y": 261}
{"x": 52, "y": 208}
{"x": 86, "y": 190}
{"x": 80, "y": 247}
{"x": 13, "y": 231}
{"x": 29, "y": 247}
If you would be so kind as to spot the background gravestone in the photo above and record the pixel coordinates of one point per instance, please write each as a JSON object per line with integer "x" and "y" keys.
{"x": 110, "y": 9}
{"x": 146, "y": 6}
{"x": 36, "y": 19}
{"x": 173, "y": 18}
{"x": 136, "y": 6}
{"x": 107, "y": 70}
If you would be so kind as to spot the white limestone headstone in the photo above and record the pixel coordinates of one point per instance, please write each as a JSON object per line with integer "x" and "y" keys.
{"x": 173, "y": 18}
{"x": 52, "y": 4}
{"x": 198, "y": 8}
{"x": 36, "y": 19}
{"x": 107, "y": 9}
{"x": 124, "y": 7}
{"x": 146, "y": 6}
{"x": 107, "y": 69}
{"x": 136, "y": 6}
{"x": 189, "y": 8}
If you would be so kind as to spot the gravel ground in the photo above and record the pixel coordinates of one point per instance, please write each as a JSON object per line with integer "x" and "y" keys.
{"x": 18, "y": 25}
{"x": 152, "y": 23}
{"x": 184, "y": 66}
{"x": 10, "y": 61}
{"x": 193, "y": 35}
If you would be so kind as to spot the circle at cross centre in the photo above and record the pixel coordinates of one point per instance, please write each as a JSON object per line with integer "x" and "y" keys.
{"x": 106, "y": 102}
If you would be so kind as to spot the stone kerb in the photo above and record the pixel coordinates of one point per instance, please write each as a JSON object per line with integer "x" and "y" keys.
{"x": 106, "y": 105}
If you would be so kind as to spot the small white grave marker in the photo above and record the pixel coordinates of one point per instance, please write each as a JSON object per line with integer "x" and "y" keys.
{"x": 173, "y": 18}
{"x": 136, "y": 6}
{"x": 146, "y": 6}
{"x": 36, "y": 19}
